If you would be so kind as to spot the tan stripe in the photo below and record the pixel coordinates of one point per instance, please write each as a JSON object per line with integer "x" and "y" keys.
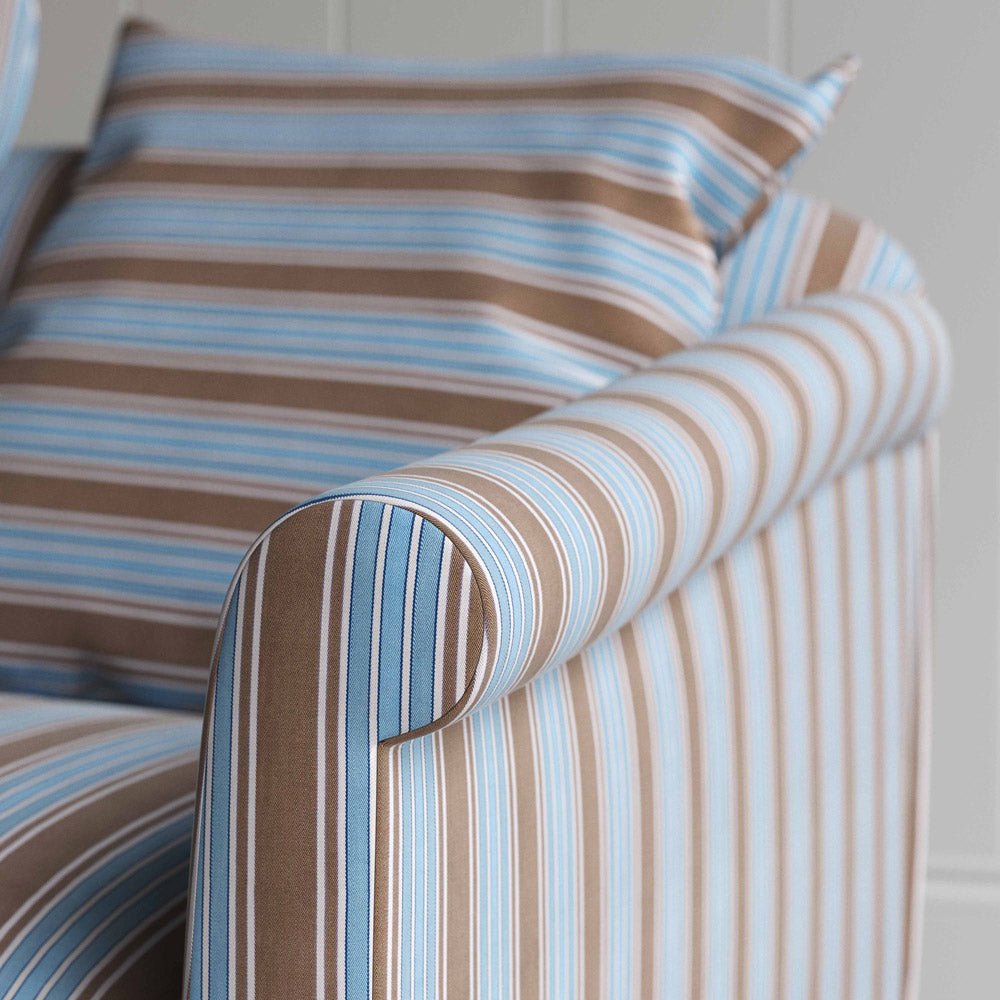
{"x": 576, "y": 674}
{"x": 847, "y": 722}
{"x": 878, "y": 726}
{"x": 582, "y": 314}
{"x": 384, "y": 401}
{"x": 697, "y": 879}
{"x": 733, "y": 634}
{"x": 459, "y": 835}
{"x": 285, "y": 888}
{"x": 763, "y": 135}
{"x": 154, "y": 503}
{"x": 807, "y": 530}
{"x": 48, "y": 851}
{"x": 705, "y": 444}
{"x": 382, "y": 933}
{"x": 132, "y": 638}
{"x": 153, "y": 971}
{"x": 777, "y": 669}
{"x": 523, "y": 753}
{"x": 567, "y": 186}
{"x": 800, "y": 401}
{"x": 833, "y": 253}
{"x": 455, "y": 675}
{"x": 598, "y": 508}
{"x": 646, "y": 800}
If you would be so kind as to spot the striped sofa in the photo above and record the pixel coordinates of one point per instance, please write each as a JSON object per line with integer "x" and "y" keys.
{"x": 629, "y": 700}
{"x": 607, "y": 681}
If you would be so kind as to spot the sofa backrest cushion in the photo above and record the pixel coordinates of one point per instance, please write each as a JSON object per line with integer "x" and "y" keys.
{"x": 279, "y": 273}
{"x": 34, "y": 183}
{"x": 803, "y": 246}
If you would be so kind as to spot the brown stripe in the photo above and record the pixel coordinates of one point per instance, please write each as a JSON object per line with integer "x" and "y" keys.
{"x": 456, "y": 797}
{"x": 733, "y": 634}
{"x": 815, "y": 728}
{"x": 180, "y": 505}
{"x": 646, "y": 800}
{"x": 582, "y": 314}
{"x": 285, "y": 849}
{"x": 156, "y": 974}
{"x": 522, "y": 751}
{"x": 599, "y": 510}
{"x": 847, "y": 722}
{"x": 106, "y": 636}
{"x": 833, "y": 253}
{"x": 576, "y": 672}
{"x": 697, "y": 878}
{"x": 878, "y": 725}
{"x": 569, "y": 187}
{"x": 516, "y": 509}
{"x": 455, "y": 675}
{"x": 49, "y": 850}
{"x": 404, "y": 403}
{"x": 382, "y": 933}
{"x": 777, "y": 669}
{"x": 757, "y": 132}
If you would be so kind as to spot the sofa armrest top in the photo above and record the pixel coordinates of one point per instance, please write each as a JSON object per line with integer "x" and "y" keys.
{"x": 566, "y": 526}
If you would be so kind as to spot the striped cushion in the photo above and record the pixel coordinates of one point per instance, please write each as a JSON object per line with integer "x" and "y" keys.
{"x": 96, "y": 806}
{"x": 281, "y": 273}
{"x": 18, "y": 58}
{"x": 802, "y": 246}
{"x": 34, "y": 182}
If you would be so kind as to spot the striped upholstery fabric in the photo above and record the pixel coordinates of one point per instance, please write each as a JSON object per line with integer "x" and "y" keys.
{"x": 345, "y": 840}
{"x": 280, "y": 273}
{"x": 34, "y": 183}
{"x": 18, "y": 58}
{"x": 715, "y": 801}
{"x": 802, "y": 246}
{"x": 96, "y": 810}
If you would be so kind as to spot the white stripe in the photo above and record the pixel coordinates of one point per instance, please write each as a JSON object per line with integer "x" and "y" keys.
{"x": 251, "y": 984}
{"x": 322, "y": 689}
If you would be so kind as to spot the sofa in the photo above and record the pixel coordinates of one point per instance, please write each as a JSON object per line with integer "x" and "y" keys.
{"x": 550, "y": 664}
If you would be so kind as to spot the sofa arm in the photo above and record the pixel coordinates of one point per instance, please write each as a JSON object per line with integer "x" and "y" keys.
{"x": 401, "y": 602}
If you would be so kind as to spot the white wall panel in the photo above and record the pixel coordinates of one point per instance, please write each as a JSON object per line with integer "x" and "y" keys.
{"x": 299, "y": 23}
{"x": 76, "y": 41}
{"x": 961, "y": 954}
{"x": 742, "y": 27}
{"x": 914, "y": 149}
{"x": 449, "y": 27}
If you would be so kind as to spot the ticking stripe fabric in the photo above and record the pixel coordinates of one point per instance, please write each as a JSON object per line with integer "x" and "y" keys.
{"x": 802, "y": 246}
{"x": 34, "y": 183}
{"x": 96, "y": 810}
{"x": 349, "y": 628}
{"x": 18, "y": 58}
{"x": 281, "y": 273}
{"x": 715, "y": 801}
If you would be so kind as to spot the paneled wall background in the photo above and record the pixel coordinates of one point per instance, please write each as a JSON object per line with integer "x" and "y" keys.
{"x": 917, "y": 147}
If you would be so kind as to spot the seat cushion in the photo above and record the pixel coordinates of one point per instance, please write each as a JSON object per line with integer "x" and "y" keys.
{"x": 96, "y": 808}
{"x": 279, "y": 273}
